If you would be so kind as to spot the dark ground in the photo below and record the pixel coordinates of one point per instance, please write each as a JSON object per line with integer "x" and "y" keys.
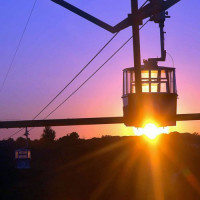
{"x": 118, "y": 168}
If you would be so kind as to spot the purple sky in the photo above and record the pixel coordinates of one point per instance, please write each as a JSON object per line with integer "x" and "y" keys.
{"x": 57, "y": 44}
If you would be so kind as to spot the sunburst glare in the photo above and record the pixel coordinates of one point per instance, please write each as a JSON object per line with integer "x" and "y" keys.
{"x": 151, "y": 131}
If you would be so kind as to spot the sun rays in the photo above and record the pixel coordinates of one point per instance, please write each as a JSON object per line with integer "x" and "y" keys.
{"x": 151, "y": 131}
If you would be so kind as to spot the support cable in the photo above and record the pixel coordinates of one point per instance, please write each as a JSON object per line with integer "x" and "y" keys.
{"x": 94, "y": 72}
{"x": 68, "y": 84}
{"x": 18, "y": 46}
{"x": 171, "y": 58}
{"x": 86, "y": 79}
{"x": 144, "y": 4}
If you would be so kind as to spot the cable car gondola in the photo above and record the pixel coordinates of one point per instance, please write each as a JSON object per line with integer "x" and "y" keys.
{"x": 23, "y": 155}
{"x": 158, "y": 100}
{"x": 22, "y": 158}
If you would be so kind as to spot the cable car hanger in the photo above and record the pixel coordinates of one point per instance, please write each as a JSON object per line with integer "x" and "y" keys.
{"x": 149, "y": 90}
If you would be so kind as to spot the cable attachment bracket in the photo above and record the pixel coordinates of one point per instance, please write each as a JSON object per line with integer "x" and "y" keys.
{"x": 160, "y": 19}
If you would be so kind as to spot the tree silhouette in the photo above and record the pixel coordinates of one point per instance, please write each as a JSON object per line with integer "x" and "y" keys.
{"x": 21, "y": 142}
{"x": 73, "y": 136}
{"x": 61, "y": 168}
{"x": 48, "y": 134}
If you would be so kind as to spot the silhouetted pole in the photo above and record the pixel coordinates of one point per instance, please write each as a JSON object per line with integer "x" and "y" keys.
{"x": 136, "y": 45}
{"x": 26, "y": 135}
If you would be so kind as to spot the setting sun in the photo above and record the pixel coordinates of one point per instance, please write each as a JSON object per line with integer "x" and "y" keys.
{"x": 151, "y": 131}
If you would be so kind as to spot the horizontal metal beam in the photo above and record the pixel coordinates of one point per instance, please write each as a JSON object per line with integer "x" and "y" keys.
{"x": 61, "y": 122}
{"x": 82, "y": 121}
{"x": 188, "y": 117}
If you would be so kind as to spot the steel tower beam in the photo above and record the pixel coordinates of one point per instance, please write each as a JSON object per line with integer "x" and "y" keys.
{"x": 122, "y": 25}
{"x": 188, "y": 117}
{"x": 61, "y": 122}
{"x": 154, "y": 7}
{"x": 82, "y": 121}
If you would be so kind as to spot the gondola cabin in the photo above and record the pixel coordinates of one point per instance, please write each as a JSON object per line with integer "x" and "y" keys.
{"x": 158, "y": 101}
{"x": 22, "y": 158}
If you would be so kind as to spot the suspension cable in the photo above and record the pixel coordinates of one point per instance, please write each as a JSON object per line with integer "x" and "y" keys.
{"x": 68, "y": 84}
{"x": 94, "y": 72}
{"x": 86, "y": 79}
{"x": 18, "y": 46}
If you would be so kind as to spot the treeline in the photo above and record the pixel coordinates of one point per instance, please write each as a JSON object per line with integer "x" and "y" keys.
{"x": 110, "y": 167}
